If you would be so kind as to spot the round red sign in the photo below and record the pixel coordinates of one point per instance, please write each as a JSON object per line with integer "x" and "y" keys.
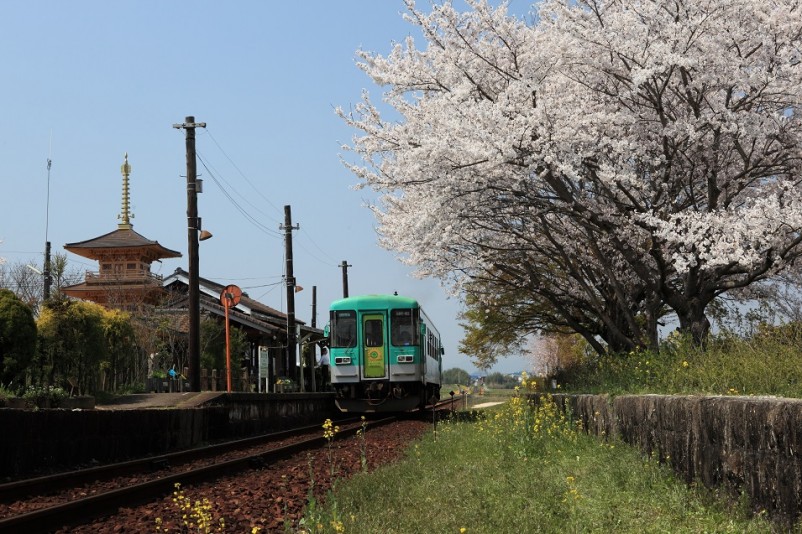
{"x": 230, "y": 296}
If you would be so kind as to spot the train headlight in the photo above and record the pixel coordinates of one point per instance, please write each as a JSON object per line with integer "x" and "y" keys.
{"x": 405, "y": 358}
{"x": 342, "y": 360}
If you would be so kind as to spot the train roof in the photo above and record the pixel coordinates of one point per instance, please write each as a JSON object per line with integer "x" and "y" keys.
{"x": 374, "y": 301}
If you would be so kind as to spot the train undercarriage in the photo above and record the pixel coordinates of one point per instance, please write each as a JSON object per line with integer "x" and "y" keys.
{"x": 385, "y": 396}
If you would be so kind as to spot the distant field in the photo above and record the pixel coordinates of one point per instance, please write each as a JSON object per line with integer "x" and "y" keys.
{"x": 477, "y": 396}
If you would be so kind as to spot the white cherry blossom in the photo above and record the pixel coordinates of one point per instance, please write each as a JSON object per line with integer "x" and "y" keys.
{"x": 611, "y": 158}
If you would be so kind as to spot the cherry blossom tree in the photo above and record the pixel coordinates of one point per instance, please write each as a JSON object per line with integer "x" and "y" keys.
{"x": 554, "y": 353}
{"x": 608, "y": 160}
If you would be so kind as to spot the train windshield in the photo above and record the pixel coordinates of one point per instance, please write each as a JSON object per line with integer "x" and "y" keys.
{"x": 374, "y": 331}
{"x": 343, "y": 328}
{"x": 402, "y": 330}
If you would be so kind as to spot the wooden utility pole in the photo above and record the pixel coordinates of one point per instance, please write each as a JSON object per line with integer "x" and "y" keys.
{"x": 345, "y": 267}
{"x": 312, "y": 347}
{"x": 314, "y": 306}
{"x": 193, "y": 228}
{"x": 292, "y": 338}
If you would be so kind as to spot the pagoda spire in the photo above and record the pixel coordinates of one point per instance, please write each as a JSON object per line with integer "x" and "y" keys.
{"x": 125, "y": 216}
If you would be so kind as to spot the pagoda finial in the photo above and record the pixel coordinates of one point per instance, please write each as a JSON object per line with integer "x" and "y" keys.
{"x": 125, "y": 216}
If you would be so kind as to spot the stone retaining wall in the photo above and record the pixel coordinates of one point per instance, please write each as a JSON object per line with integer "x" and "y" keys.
{"x": 748, "y": 444}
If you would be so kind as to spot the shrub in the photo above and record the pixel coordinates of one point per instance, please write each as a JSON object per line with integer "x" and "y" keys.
{"x": 46, "y": 396}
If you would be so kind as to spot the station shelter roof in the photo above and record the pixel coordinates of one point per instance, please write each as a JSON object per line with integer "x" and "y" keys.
{"x": 248, "y": 312}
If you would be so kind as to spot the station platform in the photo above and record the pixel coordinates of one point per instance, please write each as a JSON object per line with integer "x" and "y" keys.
{"x": 148, "y": 424}
{"x": 140, "y": 401}
{"x": 487, "y": 404}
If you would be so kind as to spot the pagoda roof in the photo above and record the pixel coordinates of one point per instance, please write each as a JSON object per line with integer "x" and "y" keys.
{"x": 121, "y": 239}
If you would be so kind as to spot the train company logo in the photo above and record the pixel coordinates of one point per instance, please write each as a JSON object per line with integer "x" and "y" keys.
{"x": 374, "y": 363}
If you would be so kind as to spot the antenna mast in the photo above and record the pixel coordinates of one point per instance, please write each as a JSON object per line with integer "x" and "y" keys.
{"x": 46, "y": 270}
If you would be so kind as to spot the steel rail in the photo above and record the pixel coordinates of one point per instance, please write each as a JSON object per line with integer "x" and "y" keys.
{"x": 84, "y": 510}
{"x": 17, "y": 490}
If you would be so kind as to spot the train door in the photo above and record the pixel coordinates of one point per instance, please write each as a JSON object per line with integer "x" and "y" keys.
{"x": 373, "y": 346}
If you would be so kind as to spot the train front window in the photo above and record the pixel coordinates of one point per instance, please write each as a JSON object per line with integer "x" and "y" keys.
{"x": 343, "y": 329}
{"x": 373, "y": 333}
{"x": 402, "y": 331}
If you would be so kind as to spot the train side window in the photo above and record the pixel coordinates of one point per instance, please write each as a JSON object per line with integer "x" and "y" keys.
{"x": 402, "y": 329}
{"x": 373, "y": 333}
{"x": 343, "y": 328}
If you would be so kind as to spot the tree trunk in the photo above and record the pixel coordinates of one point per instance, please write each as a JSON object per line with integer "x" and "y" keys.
{"x": 694, "y": 322}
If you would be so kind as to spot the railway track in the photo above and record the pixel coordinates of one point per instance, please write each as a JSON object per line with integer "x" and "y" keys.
{"x": 77, "y": 498}
{"x": 16, "y": 490}
{"x": 53, "y": 502}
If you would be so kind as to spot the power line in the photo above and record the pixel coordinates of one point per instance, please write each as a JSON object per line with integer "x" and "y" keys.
{"x": 273, "y": 288}
{"x": 240, "y": 195}
{"x": 243, "y": 175}
{"x": 248, "y": 216}
{"x": 218, "y": 178}
{"x": 247, "y": 278}
{"x": 280, "y": 282}
{"x": 331, "y": 260}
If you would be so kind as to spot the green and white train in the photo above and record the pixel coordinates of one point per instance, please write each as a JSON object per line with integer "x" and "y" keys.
{"x": 385, "y": 355}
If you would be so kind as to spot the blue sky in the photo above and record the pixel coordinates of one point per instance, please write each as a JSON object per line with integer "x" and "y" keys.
{"x": 85, "y": 82}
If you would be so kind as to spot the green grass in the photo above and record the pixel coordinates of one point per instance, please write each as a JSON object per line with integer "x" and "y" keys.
{"x": 523, "y": 470}
{"x": 767, "y": 364}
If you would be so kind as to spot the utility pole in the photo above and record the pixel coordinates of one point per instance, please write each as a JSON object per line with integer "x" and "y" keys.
{"x": 193, "y": 227}
{"x": 313, "y": 346}
{"x": 345, "y": 267}
{"x": 46, "y": 270}
{"x": 292, "y": 338}
{"x": 314, "y": 306}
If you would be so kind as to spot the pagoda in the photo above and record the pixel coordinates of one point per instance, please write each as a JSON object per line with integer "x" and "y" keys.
{"x": 124, "y": 279}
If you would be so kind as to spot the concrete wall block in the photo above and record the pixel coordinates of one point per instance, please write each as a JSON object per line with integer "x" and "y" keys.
{"x": 749, "y": 444}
